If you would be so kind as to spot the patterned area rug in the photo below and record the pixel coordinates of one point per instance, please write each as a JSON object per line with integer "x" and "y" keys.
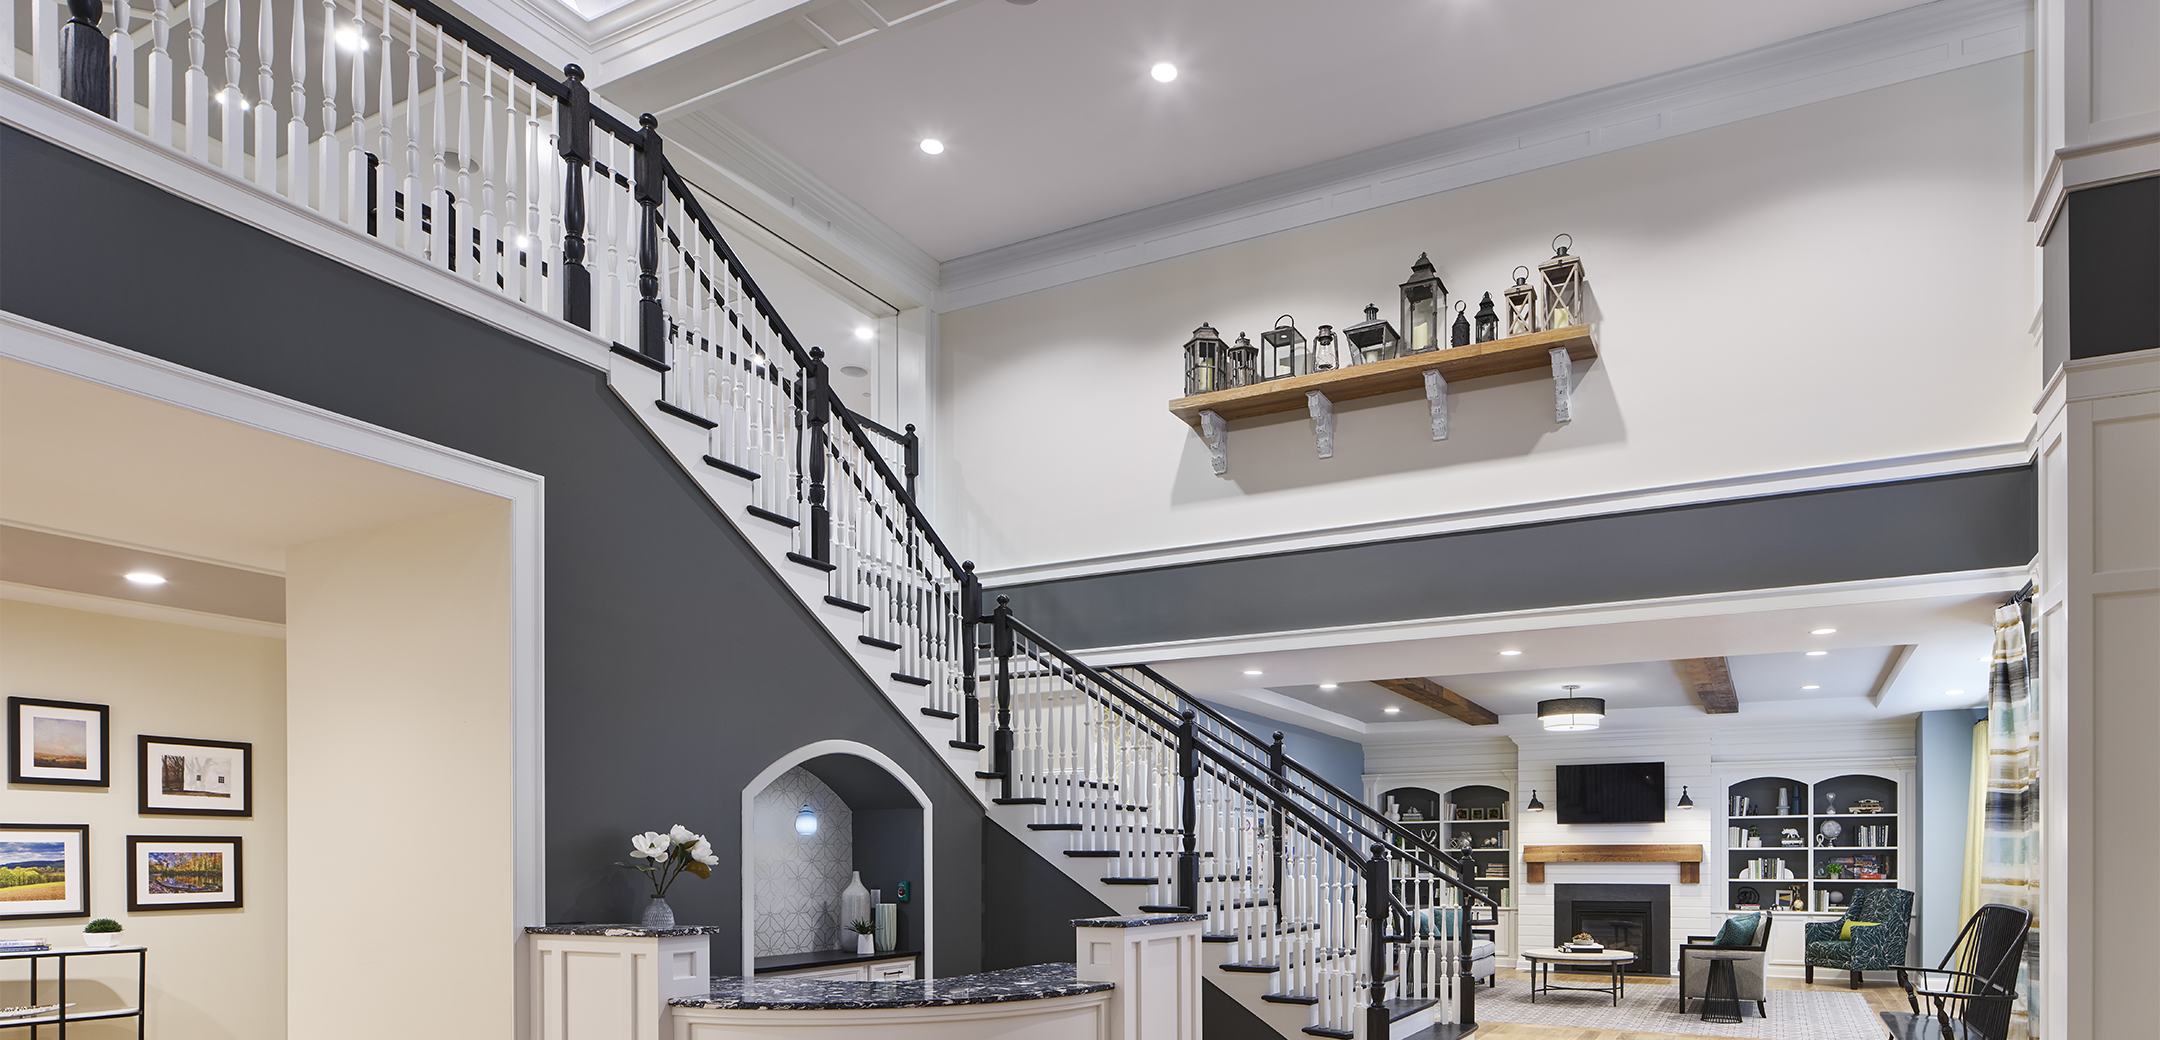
{"x": 1653, "y": 1008}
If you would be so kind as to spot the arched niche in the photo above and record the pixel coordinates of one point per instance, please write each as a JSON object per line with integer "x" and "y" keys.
{"x": 889, "y": 816}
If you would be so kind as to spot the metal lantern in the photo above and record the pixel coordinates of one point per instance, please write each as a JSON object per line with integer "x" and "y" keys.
{"x": 1565, "y": 293}
{"x": 1459, "y": 333}
{"x": 1205, "y": 364}
{"x": 1287, "y": 353}
{"x": 1488, "y": 321}
{"x": 1326, "y": 353}
{"x": 1424, "y": 304}
{"x": 1521, "y": 304}
{"x": 1243, "y": 365}
{"x": 1372, "y": 339}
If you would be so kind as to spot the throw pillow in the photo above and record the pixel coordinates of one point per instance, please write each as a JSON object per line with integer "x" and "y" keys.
{"x": 1845, "y": 934}
{"x": 1738, "y": 931}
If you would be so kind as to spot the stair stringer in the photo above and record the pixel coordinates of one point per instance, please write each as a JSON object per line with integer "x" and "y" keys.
{"x": 639, "y": 388}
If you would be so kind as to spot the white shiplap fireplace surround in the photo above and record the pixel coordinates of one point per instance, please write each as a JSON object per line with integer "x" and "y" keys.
{"x": 1696, "y": 753}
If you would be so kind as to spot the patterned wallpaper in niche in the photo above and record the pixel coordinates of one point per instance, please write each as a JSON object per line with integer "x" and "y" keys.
{"x": 799, "y": 879}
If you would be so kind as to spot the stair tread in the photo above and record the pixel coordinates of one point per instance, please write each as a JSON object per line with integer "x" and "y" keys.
{"x": 655, "y": 364}
{"x": 1146, "y": 909}
{"x": 1131, "y": 881}
{"x": 1019, "y": 801}
{"x": 1289, "y": 998}
{"x": 940, "y": 713}
{"x": 686, "y": 415}
{"x": 769, "y": 516}
{"x": 1092, "y": 853}
{"x": 1333, "y": 1034}
{"x": 723, "y": 464}
{"x": 1252, "y": 969}
{"x": 965, "y": 745}
{"x": 882, "y": 644}
{"x": 1053, "y": 826}
{"x": 1399, "y": 1008}
{"x": 917, "y": 680}
{"x": 808, "y": 562}
{"x": 859, "y": 608}
{"x": 986, "y": 775}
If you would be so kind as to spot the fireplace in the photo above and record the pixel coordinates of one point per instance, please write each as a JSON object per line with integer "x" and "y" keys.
{"x": 1636, "y": 918}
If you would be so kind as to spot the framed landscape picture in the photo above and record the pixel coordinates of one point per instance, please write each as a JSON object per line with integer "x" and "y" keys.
{"x": 58, "y": 742}
{"x": 177, "y": 776}
{"x": 181, "y": 872}
{"x": 44, "y": 870}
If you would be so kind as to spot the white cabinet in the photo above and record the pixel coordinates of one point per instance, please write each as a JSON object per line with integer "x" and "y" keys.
{"x": 891, "y": 969}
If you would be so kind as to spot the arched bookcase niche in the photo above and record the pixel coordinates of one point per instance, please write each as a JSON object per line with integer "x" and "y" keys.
{"x": 1813, "y": 842}
{"x": 1427, "y": 805}
{"x": 1480, "y": 820}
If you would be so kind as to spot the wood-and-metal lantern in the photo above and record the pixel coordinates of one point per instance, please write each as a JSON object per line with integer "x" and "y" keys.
{"x": 1287, "y": 352}
{"x": 1207, "y": 362}
{"x": 1459, "y": 333}
{"x": 1566, "y": 295}
{"x": 1372, "y": 339}
{"x": 1424, "y": 307}
{"x": 1244, "y": 362}
{"x": 1488, "y": 321}
{"x": 1521, "y": 297}
{"x": 1327, "y": 352}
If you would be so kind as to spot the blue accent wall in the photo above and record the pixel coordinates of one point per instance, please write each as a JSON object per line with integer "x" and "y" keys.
{"x": 1944, "y": 754}
{"x": 1338, "y": 760}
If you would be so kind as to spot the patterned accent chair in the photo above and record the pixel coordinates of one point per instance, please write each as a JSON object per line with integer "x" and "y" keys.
{"x": 1877, "y": 948}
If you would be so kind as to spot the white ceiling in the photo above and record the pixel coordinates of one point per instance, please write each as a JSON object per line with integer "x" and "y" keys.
{"x": 1050, "y": 119}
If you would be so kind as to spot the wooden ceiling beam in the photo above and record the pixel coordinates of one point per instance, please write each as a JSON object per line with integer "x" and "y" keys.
{"x": 1441, "y": 699}
{"x": 1711, "y": 682}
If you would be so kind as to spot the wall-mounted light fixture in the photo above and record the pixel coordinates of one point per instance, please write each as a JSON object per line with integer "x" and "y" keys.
{"x": 1685, "y": 801}
{"x": 806, "y": 822}
{"x": 1535, "y": 805}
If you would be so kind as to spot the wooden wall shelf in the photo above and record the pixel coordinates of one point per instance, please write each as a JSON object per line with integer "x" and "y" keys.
{"x": 1688, "y": 856}
{"x": 1556, "y": 349}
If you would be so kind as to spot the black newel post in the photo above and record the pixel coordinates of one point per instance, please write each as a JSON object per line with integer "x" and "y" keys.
{"x": 1276, "y": 760}
{"x": 573, "y": 141}
{"x": 914, "y": 459}
{"x": 86, "y": 58}
{"x": 1188, "y": 867}
{"x": 1001, "y": 742}
{"x": 818, "y": 404}
{"x": 1376, "y": 922}
{"x": 1466, "y": 984}
{"x": 970, "y": 651}
{"x": 649, "y": 181}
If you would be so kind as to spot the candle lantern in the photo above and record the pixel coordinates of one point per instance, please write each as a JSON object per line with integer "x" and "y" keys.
{"x": 1372, "y": 339}
{"x": 1488, "y": 321}
{"x": 1326, "y": 352}
{"x": 1243, "y": 367}
{"x": 1565, "y": 292}
{"x": 1459, "y": 333}
{"x": 1424, "y": 306}
{"x": 1521, "y": 304}
{"x": 1287, "y": 352}
{"x": 1206, "y": 362}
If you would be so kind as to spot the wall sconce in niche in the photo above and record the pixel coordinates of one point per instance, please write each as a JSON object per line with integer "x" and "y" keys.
{"x": 806, "y": 822}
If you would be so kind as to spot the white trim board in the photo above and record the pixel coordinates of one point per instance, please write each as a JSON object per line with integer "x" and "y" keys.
{"x": 137, "y": 609}
{"x": 1903, "y": 45}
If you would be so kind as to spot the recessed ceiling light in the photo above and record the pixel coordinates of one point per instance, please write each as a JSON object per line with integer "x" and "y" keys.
{"x": 145, "y": 578}
{"x": 932, "y": 146}
{"x": 1327, "y": 686}
{"x": 1811, "y": 687}
{"x": 1163, "y": 72}
{"x": 864, "y": 332}
{"x": 1822, "y": 631}
{"x": 1252, "y": 671}
{"x": 1391, "y": 711}
{"x": 1817, "y": 653}
{"x": 1511, "y": 653}
{"x": 854, "y": 372}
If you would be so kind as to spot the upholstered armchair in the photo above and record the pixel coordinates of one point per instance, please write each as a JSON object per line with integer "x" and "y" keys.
{"x": 1879, "y": 947}
{"x": 1748, "y": 972}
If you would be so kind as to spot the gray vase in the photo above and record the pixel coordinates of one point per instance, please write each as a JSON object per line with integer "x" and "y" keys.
{"x": 658, "y": 914}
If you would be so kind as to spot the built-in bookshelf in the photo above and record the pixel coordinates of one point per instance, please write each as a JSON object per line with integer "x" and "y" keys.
{"x": 1480, "y": 822}
{"x": 1804, "y": 845}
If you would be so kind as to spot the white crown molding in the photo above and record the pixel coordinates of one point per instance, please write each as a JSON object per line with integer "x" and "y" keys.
{"x": 1816, "y": 478}
{"x": 1908, "y": 44}
{"x": 138, "y": 610}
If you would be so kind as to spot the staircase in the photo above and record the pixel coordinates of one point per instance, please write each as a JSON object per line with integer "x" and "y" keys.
{"x": 1323, "y": 917}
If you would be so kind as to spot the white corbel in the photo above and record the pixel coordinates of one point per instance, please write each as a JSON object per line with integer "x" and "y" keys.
{"x": 1436, "y": 396}
{"x": 1323, "y": 422}
{"x": 1216, "y": 433}
{"x": 1563, "y": 380}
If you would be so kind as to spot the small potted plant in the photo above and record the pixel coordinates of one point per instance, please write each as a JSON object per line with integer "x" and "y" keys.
{"x": 865, "y": 937}
{"x": 664, "y": 858}
{"x": 102, "y": 932}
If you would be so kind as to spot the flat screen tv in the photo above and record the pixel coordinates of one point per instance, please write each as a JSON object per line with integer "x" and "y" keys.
{"x": 1614, "y": 792}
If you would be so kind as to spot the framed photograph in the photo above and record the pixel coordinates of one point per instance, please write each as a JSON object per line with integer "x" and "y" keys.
{"x": 180, "y": 872}
{"x": 1461, "y": 813}
{"x": 44, "y": 870}
{"x": 176, "y": 776}
{"x": 1477, "y": 814}
{"x": 58, "y": 742}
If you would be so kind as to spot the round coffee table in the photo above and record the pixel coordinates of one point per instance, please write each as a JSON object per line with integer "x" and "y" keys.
{"x": 1611, "y": 960}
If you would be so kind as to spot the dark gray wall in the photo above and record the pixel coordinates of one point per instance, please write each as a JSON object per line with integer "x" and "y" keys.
{"x": 2115, "y": 268}
{"x": 1953, "y": 523}
{"x": 1223, "y": 1018}
{"x": 677, "y": 664}
{"x": 888, "y": 851}
{"x": 1028, "y": 904}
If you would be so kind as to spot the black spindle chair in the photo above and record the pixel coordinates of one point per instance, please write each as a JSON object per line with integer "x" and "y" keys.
{"x": 1970, "y": 996}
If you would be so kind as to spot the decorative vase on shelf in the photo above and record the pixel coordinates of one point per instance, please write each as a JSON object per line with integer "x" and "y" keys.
{"x": 865, "y": 944}
{"x": 658, "y": 914}
{"x": 887, "y": 916}
{"x": 854, "y": 906}
{"x": 101, "y": 938}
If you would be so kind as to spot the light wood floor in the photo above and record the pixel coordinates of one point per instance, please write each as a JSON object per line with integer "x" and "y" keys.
{"x": 1881, "y": 996}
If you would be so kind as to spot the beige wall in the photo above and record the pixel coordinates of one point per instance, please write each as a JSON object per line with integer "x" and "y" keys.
{"x": 399, "y": 717}
{"x": 1840, "y": 282}
{"x": 213, "y": 974}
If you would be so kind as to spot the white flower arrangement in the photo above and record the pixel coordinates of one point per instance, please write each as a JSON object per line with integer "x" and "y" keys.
{"x": 664, "y": 857}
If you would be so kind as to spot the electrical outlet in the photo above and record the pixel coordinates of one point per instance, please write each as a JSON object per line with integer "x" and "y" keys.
{"x": 902, "y": 894}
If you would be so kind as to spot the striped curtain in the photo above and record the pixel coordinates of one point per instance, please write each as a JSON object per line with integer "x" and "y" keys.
{"x": 2010, "y": 841}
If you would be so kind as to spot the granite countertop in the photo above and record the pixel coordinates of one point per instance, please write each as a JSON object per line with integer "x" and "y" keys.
{"x": 1136, "y": 920}
{"x": 1037, "y": 982}
{"x": 627, "y": 931}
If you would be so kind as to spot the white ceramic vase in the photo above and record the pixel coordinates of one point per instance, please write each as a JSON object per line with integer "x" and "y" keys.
{"x": 865, "y": 944}
{"x": 101, "y": 938}
{"x": 854, "y": 906}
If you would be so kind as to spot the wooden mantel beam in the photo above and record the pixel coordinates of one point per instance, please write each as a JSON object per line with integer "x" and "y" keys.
{"x": 1712, "y": 682}
{"x": 1688, "y": 856}
{"x": 1441, "y": 699}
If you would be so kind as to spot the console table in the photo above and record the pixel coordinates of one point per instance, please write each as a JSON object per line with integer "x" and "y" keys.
{"x": 62, "y": 1016}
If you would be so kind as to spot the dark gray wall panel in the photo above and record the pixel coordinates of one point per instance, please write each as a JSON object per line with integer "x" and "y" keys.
{"x": 2115, "y": 268}
{"x": 677, "y": 664}
{"x": 1954, "y": 523}
{"x": 1223, "y": 1018}
{"x": 1029, "y": 905}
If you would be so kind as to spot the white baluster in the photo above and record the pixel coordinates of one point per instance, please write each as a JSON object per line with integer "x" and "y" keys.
{"x": 469, "y": 263}
{"x": 7, "y": 45}
{"x": 490, "y": 266}
{"x": 331, "y": 155}
{"x": 554, "y": 172}
{"x": 232, "y": 101}
{"x": 158, "y": 75}
{"x": 439, "y": 243}
{"x": 357, "y": 174}
{"x": 415, "y": 241}
{"x": 296, "y": 128}
{"x": 122, "y": 57}
{"x": 387, "y": 226}
{"x": 266, "y": 149}
{"x": 513, "y": 239}
{"x": 44, "y": 44}
{"x": 535, "y": 248}
{"x": 197, "y": 85}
